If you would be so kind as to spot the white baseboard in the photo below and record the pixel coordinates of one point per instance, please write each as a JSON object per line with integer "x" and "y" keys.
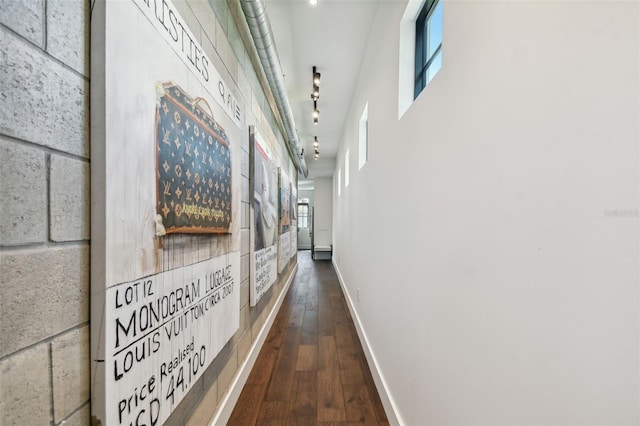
{"x": 228, "y": 403}
{"x": 385, "y": 396}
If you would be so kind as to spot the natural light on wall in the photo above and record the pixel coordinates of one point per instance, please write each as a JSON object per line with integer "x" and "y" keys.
{"x": 346, "y": 169}
{"x": 363, "y": 137}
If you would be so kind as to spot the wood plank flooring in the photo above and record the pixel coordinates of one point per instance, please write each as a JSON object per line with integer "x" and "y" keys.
{"x": 311, "y": 369}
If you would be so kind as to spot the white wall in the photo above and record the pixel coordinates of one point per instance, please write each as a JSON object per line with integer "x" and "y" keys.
{"x": 494, "y": 237}
{"x": 323, "y": 210}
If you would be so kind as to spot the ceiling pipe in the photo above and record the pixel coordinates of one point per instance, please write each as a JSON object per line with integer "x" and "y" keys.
{"x": 256, "y": 16}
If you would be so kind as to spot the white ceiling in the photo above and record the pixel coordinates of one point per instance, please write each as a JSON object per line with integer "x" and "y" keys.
{"x": 332, "y": 36}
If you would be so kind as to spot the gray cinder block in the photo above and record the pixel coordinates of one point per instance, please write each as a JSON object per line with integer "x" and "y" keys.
{"x": 244, "y": 241}
{"x": 243, "y": 346}
{"x": 203, "y": 413}
{"x": 189, "y": 18}
{"x": 23, "y": 187}
{"x": 228, "y": 371}
{"x": 244, "y": 267}
{"x": 26, "y": 17}
{"x": 46, "y": 103}
{"x": 68, "y": 33}
{"x": 245, "y": 189}
{"x": 205, "y": 16}
{"x": 221, "y": 10}
{"x": 237, "y": 45}
{"x": 70, "y": 371}
{"x": 224, "y": 49}
{"x": 25, "y": 393}
{"x": 69, "y": 198}
{"x": 42, "y": 292}
{"x": 244, "y": 163}
{"x": 245, "y": 215}
{"x": 243, "y": 82}
{"x": 244, "y": 294}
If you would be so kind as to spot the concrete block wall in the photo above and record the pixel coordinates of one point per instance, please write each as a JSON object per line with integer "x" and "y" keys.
{"x": 215, "y": 22}
{"x": 45, "y": 212}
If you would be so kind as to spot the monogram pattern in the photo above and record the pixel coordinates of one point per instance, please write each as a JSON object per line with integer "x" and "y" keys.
{"x": 193, "y": 165}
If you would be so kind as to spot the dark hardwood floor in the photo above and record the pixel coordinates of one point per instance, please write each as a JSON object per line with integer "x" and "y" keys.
{"x": 311, "y": 369}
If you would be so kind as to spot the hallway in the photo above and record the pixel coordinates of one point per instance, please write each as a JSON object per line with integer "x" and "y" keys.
{"x": 311, "y": 369}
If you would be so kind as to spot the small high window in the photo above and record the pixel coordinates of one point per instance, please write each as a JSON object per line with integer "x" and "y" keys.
{"x": 428, "y": 44}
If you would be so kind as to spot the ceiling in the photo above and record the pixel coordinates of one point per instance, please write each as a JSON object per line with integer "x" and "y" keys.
{"x": 331, "y": 36}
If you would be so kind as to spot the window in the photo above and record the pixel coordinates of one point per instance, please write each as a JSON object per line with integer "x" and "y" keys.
{"x": 303, "y": 215}
{"x": 363, "y": 133}
{"x": 346, "y": 169}
{"x": 428, "y": 44}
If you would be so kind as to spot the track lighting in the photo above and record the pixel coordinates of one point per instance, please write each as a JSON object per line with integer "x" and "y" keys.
{"x": 315, "y": 95}
{"x": 316, "y": 113}
{"x": 316, "y": 148}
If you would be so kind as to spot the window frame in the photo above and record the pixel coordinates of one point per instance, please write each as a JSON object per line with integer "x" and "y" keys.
{"x": 305, "y": 216}
{"x": 422, "y": 63}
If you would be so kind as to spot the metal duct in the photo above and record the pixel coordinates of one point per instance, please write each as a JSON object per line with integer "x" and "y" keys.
{"x": 256, "y": 16}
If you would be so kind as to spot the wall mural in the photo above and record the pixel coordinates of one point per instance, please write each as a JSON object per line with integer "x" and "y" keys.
{"x": 265, "y": 218}
{"x": 165, "y": 263}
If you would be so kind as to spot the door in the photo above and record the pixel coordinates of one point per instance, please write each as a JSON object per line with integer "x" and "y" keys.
{"x": 304, "y": 226}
